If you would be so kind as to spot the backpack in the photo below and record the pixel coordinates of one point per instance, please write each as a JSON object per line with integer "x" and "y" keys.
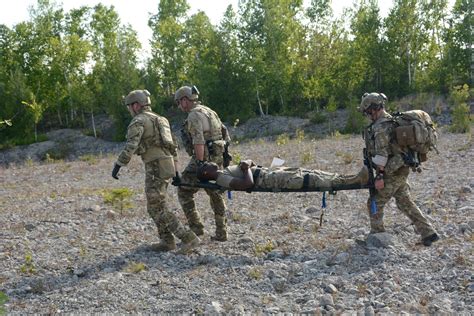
{"x": 414, "y": 135}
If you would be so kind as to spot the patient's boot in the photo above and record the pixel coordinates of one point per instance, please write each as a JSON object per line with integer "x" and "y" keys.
{"x": 360, "y": 178}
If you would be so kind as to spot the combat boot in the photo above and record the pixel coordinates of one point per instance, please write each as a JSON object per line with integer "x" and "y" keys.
{"x": 221, "y": 228}
{"x": 428, "y": 240}
{"x": 189, "y": 242}
{"x": 166, "y": 243}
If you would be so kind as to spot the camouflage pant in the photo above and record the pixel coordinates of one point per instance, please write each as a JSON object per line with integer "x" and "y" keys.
{"x": 293, "y": 178}
{"x": 186, "y": 198}
{"x": 397, "y": 186}
{"x": 157, "y": 207}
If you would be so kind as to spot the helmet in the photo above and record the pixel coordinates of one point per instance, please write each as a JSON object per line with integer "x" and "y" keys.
{"x": 142, "y": 97}
{"x": 372, "y": 100}
{"x": 191, "y": 93}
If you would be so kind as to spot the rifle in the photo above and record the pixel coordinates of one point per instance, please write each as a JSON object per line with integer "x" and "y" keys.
{"x": 370, "y": 166}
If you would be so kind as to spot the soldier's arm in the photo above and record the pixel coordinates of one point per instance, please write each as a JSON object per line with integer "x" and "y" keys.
{"x": 382, "y": 152}
{"x": 134, "y": 135}
{"x": 197, "y": 134}
{"x": 242, "y": 183}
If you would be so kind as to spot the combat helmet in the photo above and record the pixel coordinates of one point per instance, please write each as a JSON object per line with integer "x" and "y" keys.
{"x": 142, "y": 97}
{"x": 191, "y": 93}
{"x": 372, "y": 100}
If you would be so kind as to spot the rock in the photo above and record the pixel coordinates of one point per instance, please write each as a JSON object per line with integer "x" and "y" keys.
{"x": 369, "y": 311}
{"x": 111, "y": 214}
{"x": 326, "y": 300}
{"x": 380, "y": 240}
{"x": 215, "y": 308}
{"x": 313, "y": 210}
{"x": 466, "y": 189}
{"x": 29, "y": 227}
{"x": 329, "y": 288}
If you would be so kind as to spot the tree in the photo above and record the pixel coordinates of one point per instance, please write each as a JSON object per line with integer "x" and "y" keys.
{"x": 168, "y": 47}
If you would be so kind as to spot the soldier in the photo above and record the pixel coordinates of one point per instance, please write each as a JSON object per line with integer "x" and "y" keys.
{"x": 391, "y": 171}
{"x": 149, "y": 136}
{"x": 247, "y": 175}
{"x": 204, "y": 138}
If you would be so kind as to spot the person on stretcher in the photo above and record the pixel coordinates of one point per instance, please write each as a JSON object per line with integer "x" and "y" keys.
{"x": 246, "y": 175}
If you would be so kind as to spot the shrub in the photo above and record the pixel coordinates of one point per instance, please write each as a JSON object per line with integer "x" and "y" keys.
{"x": 255, "y": 273}
{"x": 318, "y": 118}
{"x": 118, "y": 198}
{"x": 3, "y": 300}
{"x": 461, "y": 112}
{"x": 282, "y": 139}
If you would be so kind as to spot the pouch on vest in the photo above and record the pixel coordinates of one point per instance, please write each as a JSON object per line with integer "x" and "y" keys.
{"x": 163, "y": 129}
{"x": 166, "y": 167}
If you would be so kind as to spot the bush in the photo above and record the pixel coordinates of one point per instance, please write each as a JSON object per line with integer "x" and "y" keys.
{"x": 461, "y": 111}
{"x": 318, "y": 118}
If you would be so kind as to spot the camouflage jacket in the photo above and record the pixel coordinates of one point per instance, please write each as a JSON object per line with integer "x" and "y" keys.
{"x": 379, "y": 144}
{"x": 149, "y": 136}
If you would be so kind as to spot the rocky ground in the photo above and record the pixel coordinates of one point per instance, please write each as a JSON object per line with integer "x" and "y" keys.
{"x": 65, "y": 250}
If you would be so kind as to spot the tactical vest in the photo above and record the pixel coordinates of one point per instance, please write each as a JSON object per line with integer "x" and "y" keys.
{"x": 157, "y": 139}
{"x": 215, "y": 145}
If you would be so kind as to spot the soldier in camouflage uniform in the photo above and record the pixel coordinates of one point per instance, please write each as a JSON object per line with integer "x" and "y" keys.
{"x": 247, "y": 175}
{"x": 204, "y": 140}
{"x": 149, "y": 136}
{"x": 391, "y": 171}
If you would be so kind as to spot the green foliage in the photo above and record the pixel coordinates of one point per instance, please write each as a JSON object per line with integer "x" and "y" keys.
{"x": 118, "y": 198}
{"x": 299, "y": 135}
{"x": 318, "y": 118}
{"x": 306, "y": 157}
{"x": 135, "y": 267}
{"x": 255, "y": 273}
{"x": 356, "y": 121}
{"x": 461, "y": 111}
{"x": 28, "y": 267}
{"x": 3, "y": 300}
{"x": 282, "y": 139}
{"x": 262, "y": 249}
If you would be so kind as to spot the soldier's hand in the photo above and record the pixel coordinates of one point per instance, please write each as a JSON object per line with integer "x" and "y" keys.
{"x": 176, "y": 179}
{"x": 379, "y": 184}
{"x": 115, "y": 171}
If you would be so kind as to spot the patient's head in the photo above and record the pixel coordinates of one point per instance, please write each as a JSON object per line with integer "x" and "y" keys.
{"x": 208, "y": 171}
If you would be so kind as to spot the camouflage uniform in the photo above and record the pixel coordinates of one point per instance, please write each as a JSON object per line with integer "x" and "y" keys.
{"x": 290, "y": 178}
{"x": 149, "y": 136}
{"x": 203, "y": 126}
{"x": 378, "y": 143}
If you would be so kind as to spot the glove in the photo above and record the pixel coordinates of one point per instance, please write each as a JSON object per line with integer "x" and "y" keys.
{"x": 116, "y": 170}
{"x": 176, "y": 179}
{"x": 200, "y": 163}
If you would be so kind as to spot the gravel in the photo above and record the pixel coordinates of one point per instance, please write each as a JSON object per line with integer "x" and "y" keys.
{"x": 65, "y": 250}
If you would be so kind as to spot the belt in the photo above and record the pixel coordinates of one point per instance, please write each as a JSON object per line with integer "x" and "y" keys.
{"x": 255, "y": 175}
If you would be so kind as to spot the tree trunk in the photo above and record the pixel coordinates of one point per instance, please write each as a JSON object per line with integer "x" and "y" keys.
{"x": 258, "y": 99}
{"x": 409, "y": 68}
{"x": 59, "y": 117}
{"x": 93, "y": 124}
